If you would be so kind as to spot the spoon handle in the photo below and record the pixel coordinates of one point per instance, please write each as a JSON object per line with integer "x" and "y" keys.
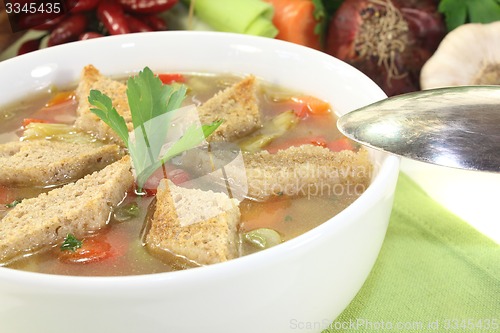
{"x": 455, "y": 127}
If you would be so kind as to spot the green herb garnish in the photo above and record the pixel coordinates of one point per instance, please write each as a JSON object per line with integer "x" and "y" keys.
{"x": 13, "y": 203}
{"x": 71, "y": 243}
{"x": 150, "y": 102}
{"x": 104, "y": 109}
{"x": 191, "y": 138}
{"x": 458, "y": 12}
{"x": 126, "y": 212}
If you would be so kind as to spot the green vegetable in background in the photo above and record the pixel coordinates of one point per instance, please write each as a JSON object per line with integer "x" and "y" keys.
{"x": 458, "y": 12}
{"x": 330, "y": 6}
{"x": 251, "y": 17}
{"x": 320, "y": 15}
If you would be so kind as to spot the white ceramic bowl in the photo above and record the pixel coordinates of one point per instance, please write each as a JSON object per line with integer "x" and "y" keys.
{"x": 298, "y": 286}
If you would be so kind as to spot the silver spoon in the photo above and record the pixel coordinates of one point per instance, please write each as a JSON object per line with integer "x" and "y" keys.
{"x": 455, "y": 127}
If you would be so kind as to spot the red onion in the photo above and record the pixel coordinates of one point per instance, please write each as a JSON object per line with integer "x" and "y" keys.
{"x": 388, "y": 40}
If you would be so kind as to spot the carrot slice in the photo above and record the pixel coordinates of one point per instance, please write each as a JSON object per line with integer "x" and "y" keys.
{"x": 270, "y": 214}
{"x": 60, "y": 97}
{"x": 27, "y": 121}
{"x": 309, "y": 105}
{"x": 295, "y": 22}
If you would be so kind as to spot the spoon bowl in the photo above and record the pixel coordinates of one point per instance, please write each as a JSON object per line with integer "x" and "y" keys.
{"x": 456, "y": 127}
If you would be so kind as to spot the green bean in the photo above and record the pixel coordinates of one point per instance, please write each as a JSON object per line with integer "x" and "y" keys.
{"x": 271, "y": 130}
{"x": 262, "y": 238}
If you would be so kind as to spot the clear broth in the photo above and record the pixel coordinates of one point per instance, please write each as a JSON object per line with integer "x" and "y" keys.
{"x": 290, "y": 216}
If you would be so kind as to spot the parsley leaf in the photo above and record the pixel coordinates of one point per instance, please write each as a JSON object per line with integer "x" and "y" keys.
{"x": 71, "y": 243}
{"x": 13, "y": 203}
{"x": 150, "y": 101}
{"x": 458, "y": 12}
{"x": 192, "y": 137}
{"x": 105, "y": 110}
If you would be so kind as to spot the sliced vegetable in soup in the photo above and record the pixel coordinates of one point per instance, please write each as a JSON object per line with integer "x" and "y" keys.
{"x": 167, "y": 171}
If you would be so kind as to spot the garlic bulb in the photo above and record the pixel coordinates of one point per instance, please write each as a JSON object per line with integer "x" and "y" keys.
{"x": 468, "y": 55}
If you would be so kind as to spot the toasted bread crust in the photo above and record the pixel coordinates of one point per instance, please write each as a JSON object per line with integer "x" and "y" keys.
{"x": 44, "y": 162}
{"x": 90, "y": 79}
{"x": 306, "y": 170}
{"x": 75, "y": 208}
{"x": 207, "y": 238}
{"x": 237, "y": 106}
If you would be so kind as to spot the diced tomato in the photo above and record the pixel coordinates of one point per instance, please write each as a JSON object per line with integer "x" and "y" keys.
{"x": 316, "y": 141}
{"x": 177, "y": 176}
{"x": 340, "y": 144}
{"x": 170, "y": 78}
{"x": 149, "y": 192}
{"x": 27, "y": 121}
{"x": 61, "y": 97}
{"x": 132, "y": 190}
{"x": 94, "y": 249}
{"x": 308, "y": 105}
{"x": 153, "y": 181}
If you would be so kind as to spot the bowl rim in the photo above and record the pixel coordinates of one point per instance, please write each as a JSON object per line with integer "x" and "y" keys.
{"x": 388, "y": 167}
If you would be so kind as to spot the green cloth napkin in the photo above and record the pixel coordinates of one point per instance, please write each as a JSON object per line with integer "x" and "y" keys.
{"x": 435, "y": 273}
{"x": 252, "y": 17}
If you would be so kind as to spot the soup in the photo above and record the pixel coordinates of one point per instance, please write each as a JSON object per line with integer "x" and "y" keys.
{"x": 288, "y": 122}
